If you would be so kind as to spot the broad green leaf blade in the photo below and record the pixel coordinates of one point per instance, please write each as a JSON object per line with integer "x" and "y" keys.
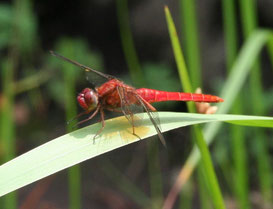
{"x": 78, "y": 146}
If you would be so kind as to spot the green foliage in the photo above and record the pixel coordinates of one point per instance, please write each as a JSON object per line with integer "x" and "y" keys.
{"x": 159, "y": 73}
{"x": 5, "y": 24}
{"x": 77, "y": 50}
{"x": 25, "y": 68}
{"x": 78, "y": 146}
{"x": 25, "y": 23}
{"x": 199, "y": 138}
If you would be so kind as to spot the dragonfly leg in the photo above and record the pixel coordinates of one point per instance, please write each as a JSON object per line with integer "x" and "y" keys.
{"x": 123, "y": 109}
{"x": 91, "y": 116}
{"x": 133, "y": 126}
{"x": 77, "y": 116}
{"x": 102, "y": 125}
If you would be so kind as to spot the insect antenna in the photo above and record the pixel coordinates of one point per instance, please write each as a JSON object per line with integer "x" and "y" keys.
{"x": 81, "y": 65}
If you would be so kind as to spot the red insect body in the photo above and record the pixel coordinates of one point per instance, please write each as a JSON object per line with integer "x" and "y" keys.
{"x": 110, "y": 98}
{"x": 115, "y": 95}
{"x": 108, "y": 87}
{"x": 151, "y": 95}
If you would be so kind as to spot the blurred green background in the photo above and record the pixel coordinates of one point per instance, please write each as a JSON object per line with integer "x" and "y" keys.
{"x": 130, "y": 40}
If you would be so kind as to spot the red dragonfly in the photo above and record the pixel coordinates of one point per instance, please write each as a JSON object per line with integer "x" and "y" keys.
{"x": 114, "y": 95}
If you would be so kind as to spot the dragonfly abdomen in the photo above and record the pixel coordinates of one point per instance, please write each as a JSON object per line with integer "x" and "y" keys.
{"x": 151, "y": 95}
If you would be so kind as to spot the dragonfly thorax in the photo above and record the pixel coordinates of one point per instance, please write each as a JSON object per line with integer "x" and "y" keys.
{"x": 88, "y": 99}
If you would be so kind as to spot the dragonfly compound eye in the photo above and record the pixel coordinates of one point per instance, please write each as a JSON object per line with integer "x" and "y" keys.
{"x": 88, "y": 99}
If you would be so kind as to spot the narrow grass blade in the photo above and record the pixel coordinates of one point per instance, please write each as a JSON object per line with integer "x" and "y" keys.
{"x": 190, "y": 29}
{"x": 203, "y": 188}
{"x": 242, "y": 66}
{"x": 230, "y": 29}
{"x": 270, "y": 50}
{"x": 249, "y": 18}
{"x": 240, "y": 186}
{"x": 178, "y": 54}
{"x": 128, "y": 43}
{"x": 199, "y": 138}
{"x": 237, "y": 78}
{"x": 192, "y": 51}
{"x": 231, "y": 88}
{"x": 7, "y": 126}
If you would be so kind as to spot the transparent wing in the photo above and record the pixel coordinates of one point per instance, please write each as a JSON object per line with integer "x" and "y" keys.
{"x": 129, "y": 109}
{"x": 94, "y": 79}
{"x": 87, "y": 69}
{"x": 153, "y": 117}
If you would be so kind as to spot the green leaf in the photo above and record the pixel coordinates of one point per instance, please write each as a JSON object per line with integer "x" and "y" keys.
{"x": 178, "y": 54}
{"x": 78, "y": 146}
{"x": 5, "y": 24}
{"x": 242, "y": 66}
{"x": 231, "y": 88}
{"x": 214, "y": 187}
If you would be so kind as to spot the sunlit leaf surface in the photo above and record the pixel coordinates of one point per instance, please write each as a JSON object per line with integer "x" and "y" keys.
{"x": 78, "y": 146}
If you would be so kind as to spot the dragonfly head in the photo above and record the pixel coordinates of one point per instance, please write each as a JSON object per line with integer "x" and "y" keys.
{"x": 88, "y": 99}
